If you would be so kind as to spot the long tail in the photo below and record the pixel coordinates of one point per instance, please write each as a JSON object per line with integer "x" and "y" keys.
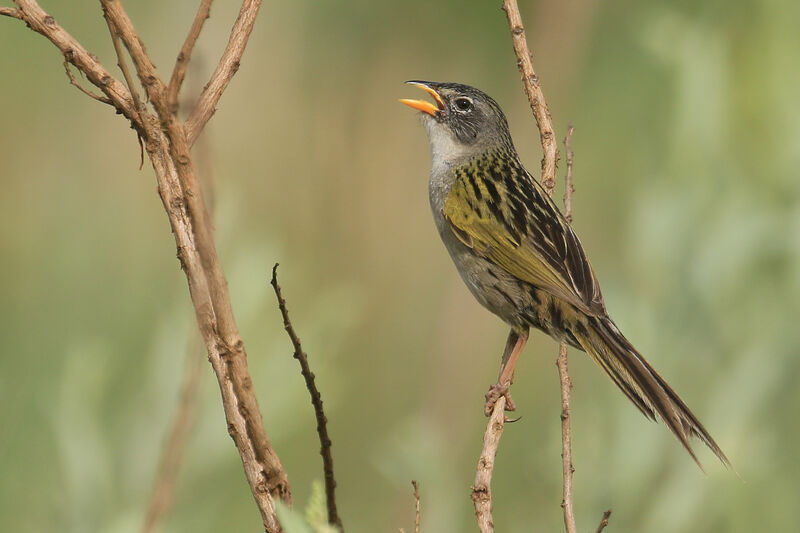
{"x": 601, "y": 339}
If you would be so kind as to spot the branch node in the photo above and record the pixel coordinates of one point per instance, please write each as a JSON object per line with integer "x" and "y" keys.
{"x": 604, "y": 521}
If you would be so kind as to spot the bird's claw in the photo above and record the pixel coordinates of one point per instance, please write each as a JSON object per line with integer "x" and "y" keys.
{"x": 497, "y": 391}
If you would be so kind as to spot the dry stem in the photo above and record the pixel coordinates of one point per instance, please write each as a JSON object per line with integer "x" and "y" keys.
{"x": 569, "y": 189}
{"x": 166, "y": 143}
{"x": 417, "y": 513}
{"x": 482, "y": 488}
{"x": 167, "y": 474}
{"x": 549, "y": 162}
{"x": 566, "y": 440}
{"x": 316, "y": 401}
{"x": 11, "y": 12}
{"x": 179, "y": 72}
{"x": 563, "y": 374}
{"x": 604, "y": 521}
{"x": 226, "y": 68}
{"x": 535, "y": 96}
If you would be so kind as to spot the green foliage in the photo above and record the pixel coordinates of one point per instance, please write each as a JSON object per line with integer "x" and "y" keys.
{"x": 313, "y": 520}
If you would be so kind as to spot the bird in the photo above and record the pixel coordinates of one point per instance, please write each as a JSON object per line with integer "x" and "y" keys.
{"x": 520, "y": 257}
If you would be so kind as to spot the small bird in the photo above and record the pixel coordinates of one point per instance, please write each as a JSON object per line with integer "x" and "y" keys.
{"x": 521, "y": 259}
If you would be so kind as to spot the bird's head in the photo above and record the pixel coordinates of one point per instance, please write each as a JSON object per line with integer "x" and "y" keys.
{"x": 461, "y": 120}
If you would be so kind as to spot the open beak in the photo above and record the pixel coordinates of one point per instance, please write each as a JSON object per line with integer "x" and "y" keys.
{"x": 424, "y": 105}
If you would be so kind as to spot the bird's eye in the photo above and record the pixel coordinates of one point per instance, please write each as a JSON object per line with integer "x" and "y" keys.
{"x": 463, "y": 104}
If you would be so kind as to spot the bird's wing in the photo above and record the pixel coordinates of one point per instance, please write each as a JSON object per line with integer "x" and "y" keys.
{"x": 496, "y": 208}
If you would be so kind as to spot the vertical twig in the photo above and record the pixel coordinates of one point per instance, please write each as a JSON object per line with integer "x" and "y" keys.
{"x": 482, "y": 488}
{"x": 549, "y": 161}
{"x": 226, "y": 67}
{"x": 535, "y": 95}
{"x": 566, "y": 440}
{"x": 569, "y": 189}
{"x": 563, "y": 374}
{"x": 316, "y": 400}
{"x": 179, "y": 71}
{"x": 417, "y": 512}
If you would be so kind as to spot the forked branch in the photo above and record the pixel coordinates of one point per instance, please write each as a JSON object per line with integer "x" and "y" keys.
{"x": 179, "y": 72}
{"x": 165, "y": 140}
{"x": 228, "y": 65}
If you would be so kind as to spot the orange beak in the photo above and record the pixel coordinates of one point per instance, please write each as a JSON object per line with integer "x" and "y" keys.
{"x": 423, "y": 105}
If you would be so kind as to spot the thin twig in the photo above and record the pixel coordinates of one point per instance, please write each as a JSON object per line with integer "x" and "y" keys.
{"x": 604, "y": 521}
{"x": 563, "y": 374}
{"x": 569, "y": 189}
{"x": 482, "y": 488}
{"x": 226, "y": 68}
{"x": 417, "y": 512}
{"x": 11, "y": 12}
{"x": 167, "y": 474}
{"x": 44, "y": 24}
{"x": 179, "y": 72}
{"x": 121, "y": 27}
{"x": 123, "y": 65}
{"x": 316, "y": 400}
{"x": 535, "y": 96}
{"x": 82, "y": 89}
{"x": 566, "y": 440}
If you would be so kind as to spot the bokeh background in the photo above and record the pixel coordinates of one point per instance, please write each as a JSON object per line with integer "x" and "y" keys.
{"x": 687, "y": 149}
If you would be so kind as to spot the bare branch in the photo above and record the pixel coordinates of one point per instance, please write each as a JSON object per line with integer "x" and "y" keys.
{"x": 168, "y": 150}
{"x": 604, "y": 521}
{"x": 167, "y": 474}
{"x": 569, "y": 189}
{"x": 417, "y": 513}
{"x": 227, "y": 67}
{"x": 316, "y": 400}
{"x": 85, "y": 91}
{"x": 549, "y": 162}
{"x": 41, "y": 22}
{"x": 11, "y": 12}
{"x": 123, "y": 66}
{"x": 535, "y": 96}
{"x": 566, "y": 383}
{"x": 122, "y": 26}
{"x": 262, "y": 466}
{"x": 482, "y": 489}
{"x": 566, "y": 440}
{"x": 179, "y": 72}
{"x": 232, "y": 368}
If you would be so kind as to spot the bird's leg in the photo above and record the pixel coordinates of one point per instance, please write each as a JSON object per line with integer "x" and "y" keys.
{"x": 514, "y": 345}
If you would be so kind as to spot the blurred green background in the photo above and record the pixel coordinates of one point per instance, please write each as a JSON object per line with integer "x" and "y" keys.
{"x": 687, "y": 148}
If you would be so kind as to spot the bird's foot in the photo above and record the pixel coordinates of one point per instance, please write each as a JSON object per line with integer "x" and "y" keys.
{"x": 497, "y": 391}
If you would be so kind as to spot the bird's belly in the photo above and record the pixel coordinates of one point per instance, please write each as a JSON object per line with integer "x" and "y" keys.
{"x": 488, "y": 285}
{"x": 516, "y": 302}
{"x": 493, "y": 287}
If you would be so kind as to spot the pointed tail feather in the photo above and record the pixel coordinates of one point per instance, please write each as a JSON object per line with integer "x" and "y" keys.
{"x": 601, "y": 339}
